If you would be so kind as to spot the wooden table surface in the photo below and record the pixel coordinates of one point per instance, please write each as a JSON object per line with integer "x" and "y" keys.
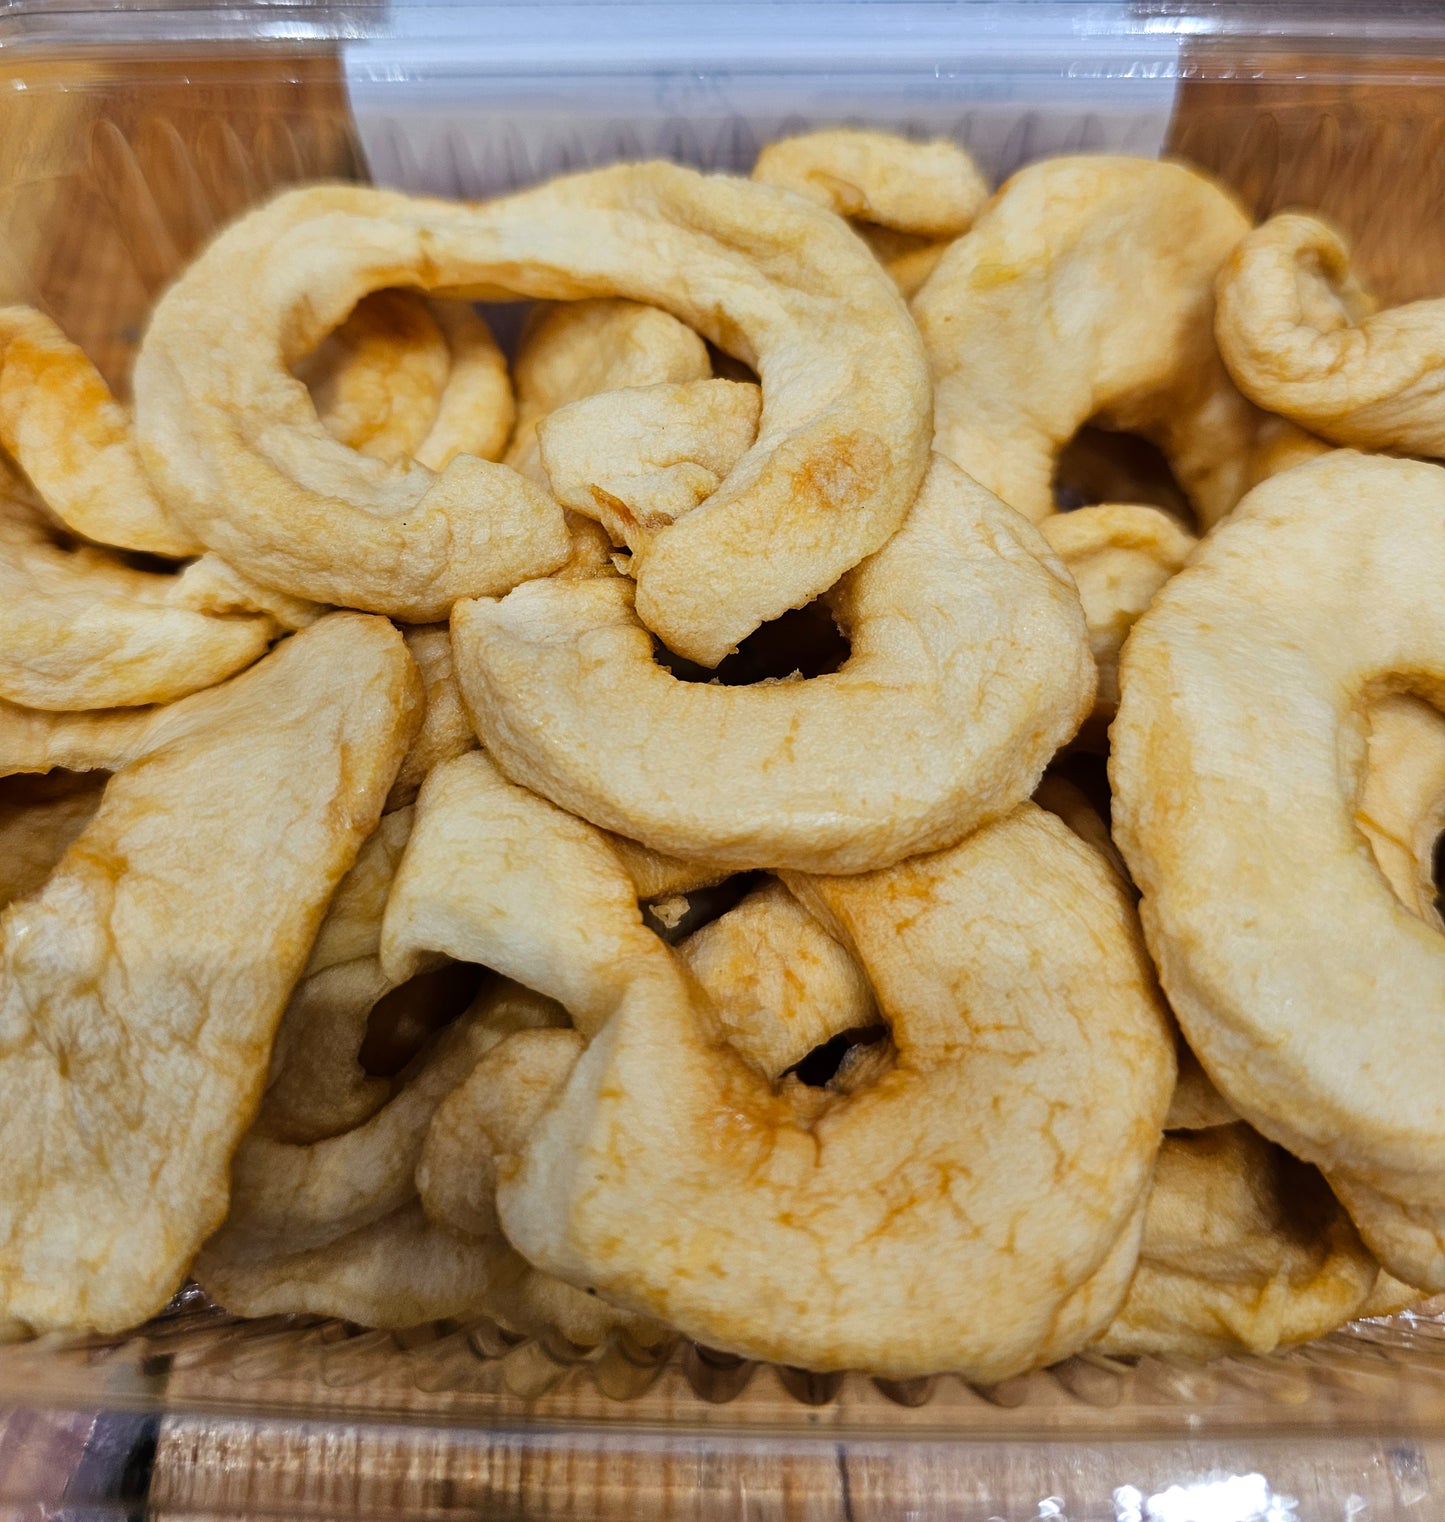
{"x": 110, "y": 180}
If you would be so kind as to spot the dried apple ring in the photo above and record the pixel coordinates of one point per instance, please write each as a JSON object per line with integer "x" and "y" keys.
{"x": 657, "y": 876}
{"x": 779, "y": 984}
{"x": 1301, "y": 337}
{"x": 73, "y": 439}
{"x": 1085, "y": 292}
{"x": 640, "y": 459}
{"x": 776, "y": 982}
{"x": 1245, "y": 1250}
{"x": 401, "y": 1271}
{"x": 81, "y": 629}
{"x": 403, "y": 379}
{"x": 510, "y": 1087}
{"x": 486, "y": 1117}
{"x": 1310, "y": 993}
{"x": 317, "y": 1086}
{"x": 299, "y": 1195}
{"x": 967, "y": 651}
{"x": 446, "y": 731}
{"x": 900, "y": 192}
{"x": 142, "y": 984}
{"x": 210, "y": 585}
{"x": 1196, "y": 1104}
{"x": 32, "y": 740}
{"x": 499, "y": 876}
{"x": 840, "y": 452}
{"x": 377, "y": 379}
{"x": 496, "y": 875}
{"x": 577, "y": 349}
{"x": 454, "y": 1176}
{"x": 869, "y": 1236}
{"x": 1401, "y": 809}
{"x": 1119, "y": 555}
{"x": 1401, "y": 812}
{"x": 556, "y": 912}
{"x": 933, "y": 189}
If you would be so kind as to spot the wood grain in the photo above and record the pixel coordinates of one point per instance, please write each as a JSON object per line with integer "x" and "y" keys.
{"x": 217, "y": 1469}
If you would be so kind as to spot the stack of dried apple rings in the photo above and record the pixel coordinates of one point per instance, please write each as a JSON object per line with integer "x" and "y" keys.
{"x": 611, "y": 839}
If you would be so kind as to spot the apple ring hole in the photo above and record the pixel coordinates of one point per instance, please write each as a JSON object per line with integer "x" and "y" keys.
{"x": 1437, "y": 873}
{"x": 1101, "y": 465}
{"x": 727, "y": 367}
{"x": 402, "y": 1021}
{"x": 804, "y": 642}
{"x": 40, "y": 815}
{"x": 1089, "y": 772}
{"x": 23, "y": 790}
{"x": 824, "y": 1063}
{"x": 675, "y": 916}
{"x": 1401, "y": 800}
{"x": 140, "y": 560}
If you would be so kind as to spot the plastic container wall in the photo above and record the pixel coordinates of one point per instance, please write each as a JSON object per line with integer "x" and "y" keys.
{"x": 128, "y": 134}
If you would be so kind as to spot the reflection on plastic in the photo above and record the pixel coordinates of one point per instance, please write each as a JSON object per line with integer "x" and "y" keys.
{"x": 1232, "y": 1498}
{"x": 457, "y": 100}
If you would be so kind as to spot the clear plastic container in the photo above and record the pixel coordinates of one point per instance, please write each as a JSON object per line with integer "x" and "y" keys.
{"x": 128, "y": 133}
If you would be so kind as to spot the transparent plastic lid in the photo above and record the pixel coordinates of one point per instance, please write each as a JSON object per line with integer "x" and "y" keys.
{"x": 476, "y": 101}
{"x": 636, "y": 34}
{"x": 477, "y": 97}
{"x": 120, "y": 172}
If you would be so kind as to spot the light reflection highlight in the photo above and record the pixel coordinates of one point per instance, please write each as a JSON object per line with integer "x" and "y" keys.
{"x": 1230, "y": 1498}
